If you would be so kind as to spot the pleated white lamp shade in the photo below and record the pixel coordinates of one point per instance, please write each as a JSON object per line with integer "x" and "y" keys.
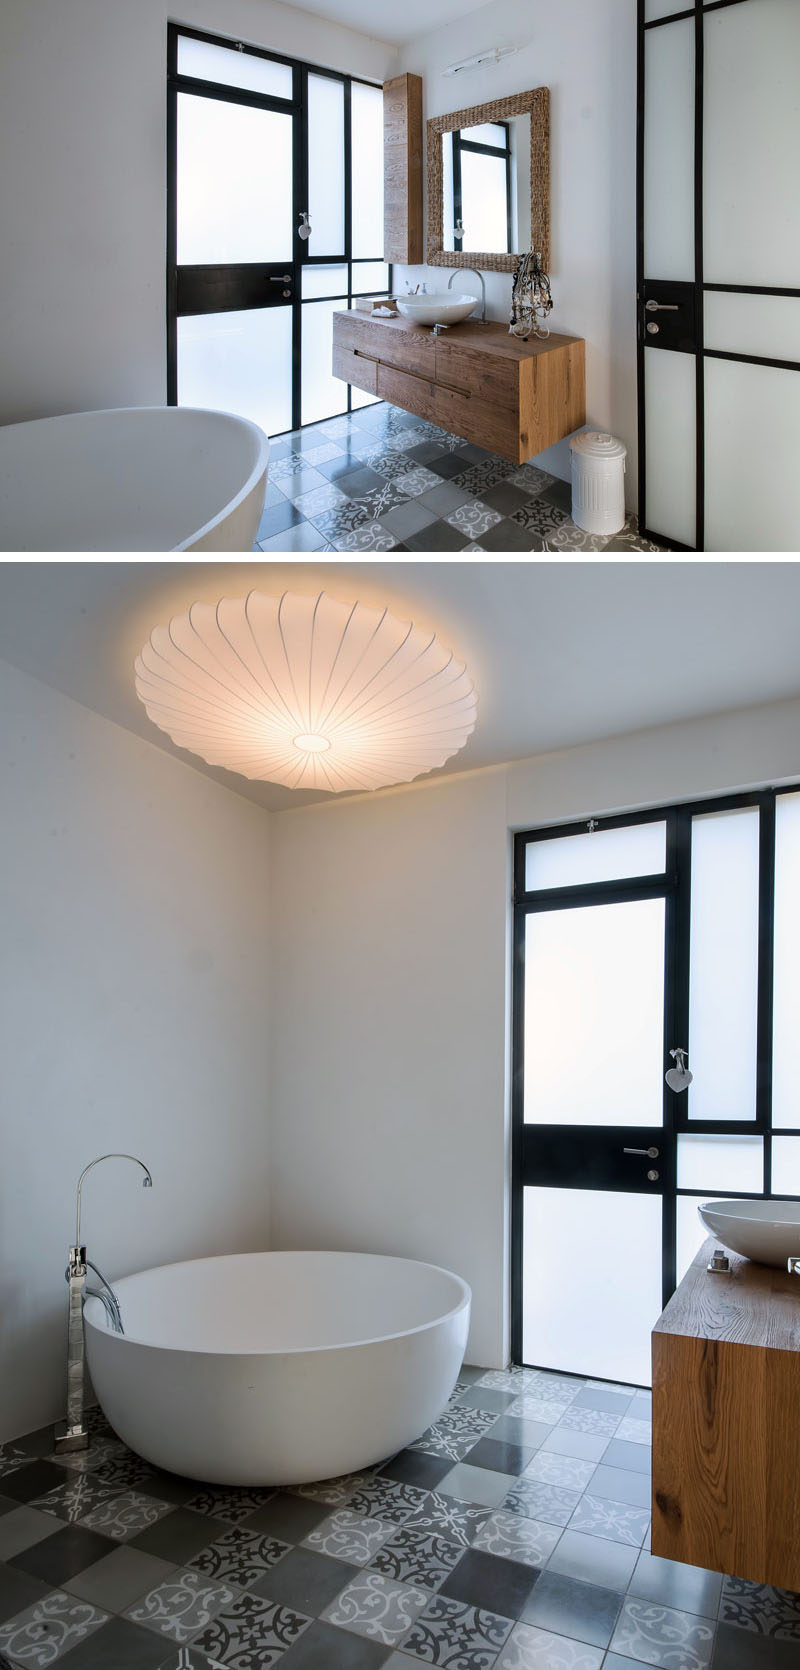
{"x": 306, "y": 691}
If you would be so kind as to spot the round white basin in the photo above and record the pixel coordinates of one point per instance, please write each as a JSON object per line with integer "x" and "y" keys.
{"x": 768, "y": 1231}
{"x": 440, "y": 308}
{"x": 138, "y": 478}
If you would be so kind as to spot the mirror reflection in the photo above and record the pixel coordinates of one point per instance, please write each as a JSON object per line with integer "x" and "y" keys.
{"x": 486, "y": 180}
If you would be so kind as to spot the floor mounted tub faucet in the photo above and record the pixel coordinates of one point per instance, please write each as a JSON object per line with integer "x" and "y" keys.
{"x": 72, "y": 1434}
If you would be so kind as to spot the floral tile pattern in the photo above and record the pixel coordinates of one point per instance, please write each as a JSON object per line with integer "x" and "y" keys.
{"x": 473, "y": 519}
{"x": 334, "y": 1491}
{"x": 181, "y": 1605}
{"x": 318, "y": 500}
{"x": 122, "y": 1471}
{"x": 661, "y": 1636}
{"x": 455, "y": 1433}
{"x": 451, "y": 1633}
{"x": 48, "y": 1629}
{"x": 387, "y": 1499}
{"x": 613, "y": 1520}
{"x": 760, "y": 1609}
{"x": 552, "y": 1503}
{"x": 380, "y": 499}
{"x": 533, "y": 1408}
{"x": 635, "y": 1431}
{"x": 251, "y": 1633}
{"x": 125, "y": 1516}
{"x": 239, "y": 1556}
{"x": 514, "y": 1537}
{"x": 480, "y": 476}
{"x": 375, "y": 1606}
{"x": 233, "y": 1505}
{"x": 343, "y": 519}
{"x": 446, "y": 1517}
{"x": 350, "y": 1536}
{"x": 76, "y": 1497}
{"x": 537, "y": 1649}
{"x": 370, "y": 536}
{"x": 590, "y": 1420}
{"x": 560, "y": 1469}
{"x": 11, "y": 1458}
{"x": 417, "y": 1557}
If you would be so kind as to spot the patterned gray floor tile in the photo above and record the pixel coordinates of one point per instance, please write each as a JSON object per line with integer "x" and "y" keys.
{"x": 619, "y": 1484}
{"x": 387, "y": 497}
{"x": 531, "y": 479}
{"x": 475, "y": 1484}
{"x": 369, "y": 536}
{"x": 350, "y": 1536}
{"x": 49, "y": 1628}
{"x": 662, "y": 1636}
{"x": 448, "y": 1517}
{"x": 473, "y": 519}
{"x": 668, "y": 1583}
{"x": 635, "y": 1431}
{"x": 76, "y": 1497}
{"x": 566, "y": 1470}
{"x": 539, "y": 516}
{"x": 233, "y": 1505}
{"x": 119, "y": 1579}
{"x": 250, "y": 1633}
{"x": 599, "y": 1517}
{"x": 387, "y": 1499}
{"x": 453, "y": 1634}
{"x": 535, "y": 1408}
{"x": 455, "y": 1432}
{"x": 569, "y": 537}
{"x": 125, "y": 1516}
{"x": 181, "y": 1605}
{"x": 122, "y": 1472}
{"x": 11, "y": 1457}
{"x": 417, "y": 1557}
{"x": 377, "y": 1607}
{"x": 350, "y": 514}
{"x": 480, "y": 476}
{"x": 239, "y": 1556}
{"x": 514, "y": 1537}
{"x": 552, "y": 1503}
{"x": 319, "y": 499}
{"x": 529, "y": 1648}
{"x": 760, "y": 1609}
{"x": 590, "y": 1420}
{"x": 335, "y": 1491}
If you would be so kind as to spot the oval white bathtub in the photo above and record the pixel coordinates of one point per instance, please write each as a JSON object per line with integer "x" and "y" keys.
{"x": 278, "y": 1368}
{"x": 140, "y": 478}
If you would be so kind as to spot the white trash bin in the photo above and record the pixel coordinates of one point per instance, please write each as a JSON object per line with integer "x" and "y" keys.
{"x": 598, "y": 482}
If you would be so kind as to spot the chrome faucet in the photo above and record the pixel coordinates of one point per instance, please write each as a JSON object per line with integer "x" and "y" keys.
{"x": 457, "y": 274}
{"x": 73, "y": 1434}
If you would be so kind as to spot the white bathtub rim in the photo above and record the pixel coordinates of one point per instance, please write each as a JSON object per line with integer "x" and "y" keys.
{"x": 96, "y": 1318}
{"x": 258, "y": 470}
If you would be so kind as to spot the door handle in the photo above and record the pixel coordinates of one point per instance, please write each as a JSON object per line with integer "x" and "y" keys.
{"x": 646, "y": 1153}
{"x": 662, "y": 307}
{"x": 282, "y": 278}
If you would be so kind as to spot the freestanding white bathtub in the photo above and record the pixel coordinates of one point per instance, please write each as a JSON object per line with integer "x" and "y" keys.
{"x": 141, "y": 478}
{"x": 278, "y": 1368}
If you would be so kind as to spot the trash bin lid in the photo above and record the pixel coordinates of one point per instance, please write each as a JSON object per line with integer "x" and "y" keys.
{"x": 592, "y": 443}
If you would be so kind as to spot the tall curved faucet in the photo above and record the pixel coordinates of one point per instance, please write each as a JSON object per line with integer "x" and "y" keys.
{"x": 479, "y": 276}
{"x": 73, "y": 1434}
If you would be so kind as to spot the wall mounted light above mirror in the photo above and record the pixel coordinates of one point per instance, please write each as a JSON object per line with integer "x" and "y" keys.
{"x": 488, "y": 182}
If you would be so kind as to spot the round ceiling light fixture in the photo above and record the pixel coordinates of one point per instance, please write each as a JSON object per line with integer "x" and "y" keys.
{"x": 306, "y": 691}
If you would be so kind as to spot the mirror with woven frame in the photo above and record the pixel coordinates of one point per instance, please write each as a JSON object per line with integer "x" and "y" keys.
{"x": 488, "y": 180}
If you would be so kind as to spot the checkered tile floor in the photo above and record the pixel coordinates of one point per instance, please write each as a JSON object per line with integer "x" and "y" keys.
{"x": 382, "y": 480}
{"x": 513, "y": 1535}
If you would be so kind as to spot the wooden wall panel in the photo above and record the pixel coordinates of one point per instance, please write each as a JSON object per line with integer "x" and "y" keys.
{"x": 402, "y": 170}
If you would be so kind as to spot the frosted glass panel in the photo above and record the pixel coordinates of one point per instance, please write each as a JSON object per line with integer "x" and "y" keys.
{"x": 768, "y": 325}
{"x": 594, "y": 1009}
{"x": 661, "y": 8}
{"x": 370, "y": 277}
{"x": 591, "y": 1282}
{"x": 324, "y": 281}
{"x": 484, "y": 188}
{"x": 786, "y": 996}
{"x": 603, "y": 855}
{"x": 323, "y": 395}
{"x": 691, "y": 1233}
{"x": 359, "y": 397}
{"x": 669, "y": 152}
{"x": 235, "y": 69}
{"x": 239, "y": 362}
{"x": 487, "y": 133}
{"x": 723, "y": 966}
{"x": 725, "y": 1162}
{"x": 367, "y": 130}
{"x": 326, "y": 165}
{"x": 751, "y": 144}
{"x": 234, "y": 183}
{"x": 786, "y": 1166}
{"x": 752, "y": 425}
{"x": 670, "y": 399}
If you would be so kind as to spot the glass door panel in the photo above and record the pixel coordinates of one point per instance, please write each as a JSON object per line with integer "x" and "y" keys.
{"x": 239, "y": 362}
{"x": 723, "y": 965}
{"x": 592, "y": 1281}
{"x": 323, "y": 395}
{"x": 670, "y": 402}
{"x": 235, "y": 183}
{"x": 326, "y": 166}
{"x": 594, "y": 1015}
{"x": 367, "y": 151}
{"x": 669, "y": 152}
{"x": 786, "y": 994}
{"x": 752, "y": 440}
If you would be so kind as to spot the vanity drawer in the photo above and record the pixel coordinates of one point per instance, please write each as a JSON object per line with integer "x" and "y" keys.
{"x": 490, "y": 378}
{"x": 407, "y": 350}
{"x": 352, "y": 367}
{"x": 496, "y": 428}
{"x": 407, "y": 389}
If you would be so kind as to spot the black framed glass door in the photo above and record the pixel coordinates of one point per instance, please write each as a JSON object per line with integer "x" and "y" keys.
{"x": 634, "y": 937}
{"x": 275, "y": 221}
{"x": 718, "y": 256}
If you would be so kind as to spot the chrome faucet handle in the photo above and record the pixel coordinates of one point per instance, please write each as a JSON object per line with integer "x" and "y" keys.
{"x": 146, "y": 1184}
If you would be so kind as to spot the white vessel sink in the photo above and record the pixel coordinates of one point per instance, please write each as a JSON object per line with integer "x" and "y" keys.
{"x": 441, "y": 308}
{"x": 768, "y": 1231}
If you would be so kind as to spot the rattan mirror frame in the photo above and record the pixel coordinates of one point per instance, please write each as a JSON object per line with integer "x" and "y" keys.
{"x": 536, "y": 104}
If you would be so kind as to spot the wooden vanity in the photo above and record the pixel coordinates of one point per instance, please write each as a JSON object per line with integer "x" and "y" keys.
{"x": 513, "y": 398}
{"x": 726, "y": 1422}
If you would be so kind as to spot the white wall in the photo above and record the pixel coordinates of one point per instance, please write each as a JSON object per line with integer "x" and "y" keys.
{"x": 134, "y": 971}
{"x": 585, "y": 52}
{"x": 83, "y": 186}
{"x": 390, "y": 1056}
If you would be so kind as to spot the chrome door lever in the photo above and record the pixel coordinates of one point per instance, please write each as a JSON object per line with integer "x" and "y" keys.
{"x": 662, "y": 307}
{"x": 285, "y": 278}
{"x": 646, "y": 1153}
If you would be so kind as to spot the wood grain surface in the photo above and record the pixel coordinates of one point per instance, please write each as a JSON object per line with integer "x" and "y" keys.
{"x": 402, "y": 170}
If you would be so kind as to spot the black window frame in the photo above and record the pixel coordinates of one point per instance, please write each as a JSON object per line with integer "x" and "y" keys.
{"x": 460, "y": 144}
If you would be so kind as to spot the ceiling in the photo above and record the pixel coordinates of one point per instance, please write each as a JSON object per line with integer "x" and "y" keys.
{"x": 395, "y": 24}
{"x": 561, "y": 653}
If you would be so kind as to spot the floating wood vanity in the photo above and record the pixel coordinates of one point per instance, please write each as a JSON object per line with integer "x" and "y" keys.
{"x": 513, "y": 398}
{"x": 726, "y": 1422}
